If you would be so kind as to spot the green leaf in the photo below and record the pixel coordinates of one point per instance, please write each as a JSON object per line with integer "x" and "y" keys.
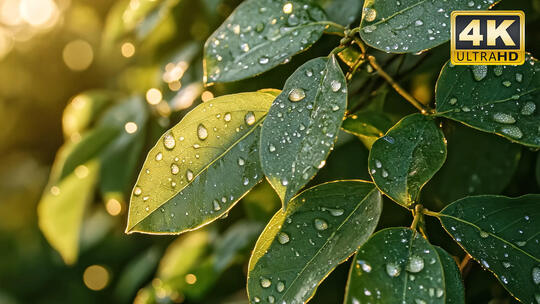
{"x": 300, "y": 246}
{"x": 82, "y": 111}
{"x": 498, "y": 99}
{"x": 200, "y": 168}
{"x": 403, "y": 161}
{"x": 61, "y": 209}
{"x": 538, "y": 169}
{"x": 259, "y": 35}
{"x": 477, "y": 163}
{"x": 121, "y": 157}
{"x": 410, "y": 26}
{"x": 396, "y": 265}
{"x": 351, "y": 56}
{"x": 302, "y": 125}
{"x": 455, "y": 292}
{"x": 341, "y": 11}
{"x": 501, "y": 233}
{"x": 367, "y": 125}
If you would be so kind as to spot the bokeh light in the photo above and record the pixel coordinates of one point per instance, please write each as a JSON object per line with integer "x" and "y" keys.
{"x": 78, "y": 55}
{"x": 191, "y": 278}
{"x": 38, "y": 12}
{"x": 206, "y": 95}
{"x": 131, "y": 127}
{"x": 96, "y": 277}
{"x": 127, "y": 49}
{"x": 113, "y": 207}
{"x": 153, "y": 96}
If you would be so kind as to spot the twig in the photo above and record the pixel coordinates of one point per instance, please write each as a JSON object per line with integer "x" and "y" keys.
{"x": 421, "y": 107}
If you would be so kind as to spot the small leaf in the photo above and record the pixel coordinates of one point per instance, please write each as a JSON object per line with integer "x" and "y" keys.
{"x": 477, "y": 163}
{"x": 300, "y": 246}
{"x": 501, "y": 233}
{"x": 61, "y": 209}
{"x": 302, "y": 125}
{"x": 351, "y": 56}
{"x": 82, "y": 111}
{"x": 259, "y": 35}
{"x": 410, "y": 26}
{"x": 367, "y": 125}
{"x": 200, "y": 168}
{"x": 498, "y": 99}
{"x": 395, "y": 266}
{"x": 403, "y": 160}
{"x": 455, "y": 292}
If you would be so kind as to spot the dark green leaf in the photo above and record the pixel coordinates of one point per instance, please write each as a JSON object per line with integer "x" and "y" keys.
{"x": 501, "y": 233}
{"x": 538, "y": 169}
{"x": 395, "y": 266}
{"x": 135, "y": 273}
{"x": 300, "y": 246}
{"x": 477, "y": 163}
{"x": 402, "y": 161}
{"x": 302, "y": 125}
{"x": 61, "y": 209}
{"x": 410, "y": 26}
{"x": 341, "y": 11}
{"x": 259, "y": 35}
{"x": 455, "y": 292}
{"x": 367, "y": 125}
{"x": 200, "y": 168}
{"x": 499, "y": 99}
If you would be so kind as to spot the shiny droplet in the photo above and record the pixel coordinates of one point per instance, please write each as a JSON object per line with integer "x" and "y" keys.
{"x": 416, "y": 264}
{"x": 479, "y": 72}
{"x": 393, "y": 270}
{"x": 512, "y": 131}
{"x": 175, "y": 169}
{"x": 202, "y": 132}
{"x": 265, "y": 283}
{"x": 536, "y": 275}
{"x": 321, "y": 224}
{"x": 528, "y": 108}
{"x": 283, "y": 238}
{"x": 249, "y": 118}
{"x": 189, "y": 175}
{"x": 159, "y": 156}
{"x": 280, "y": 286}
{"x": 296, "y": 95}
{"x": 137, "y": 191}
{"x": 227, "y": 117}
{"x": 168, "y": 141}
{"x": 215, "y": 205}
{"x": 504, "y": 118}
{"x": 369, "y": 14}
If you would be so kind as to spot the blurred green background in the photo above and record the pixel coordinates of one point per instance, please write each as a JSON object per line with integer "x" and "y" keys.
{"x": 94, "y": 56}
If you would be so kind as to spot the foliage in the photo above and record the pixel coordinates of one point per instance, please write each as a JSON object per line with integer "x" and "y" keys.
{"x": 353, "y": 128}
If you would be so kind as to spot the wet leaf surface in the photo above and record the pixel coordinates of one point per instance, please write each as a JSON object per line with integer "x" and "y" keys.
{"x": 321, "y": 228}
{"x": 259, "y": 35}
{"x": 402, "y": 161}
{"x": 503, "y": 235}
{"x": 201, "y": 167}
{"x": 410, "y": 26}
{"x": 396, "y": 265}
{"x": 498, "y": 99}
{"x": 302, "y": 125}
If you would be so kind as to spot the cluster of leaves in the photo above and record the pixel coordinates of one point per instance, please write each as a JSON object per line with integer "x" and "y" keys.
{"x": 204, "y": 165}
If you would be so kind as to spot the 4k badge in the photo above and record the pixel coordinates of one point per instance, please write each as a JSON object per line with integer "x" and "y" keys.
{"x": 487, "y": 37}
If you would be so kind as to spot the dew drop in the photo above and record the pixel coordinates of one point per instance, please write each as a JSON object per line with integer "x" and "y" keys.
{"x": 175, "y": 169}
{"x": 271, "y": 148}
{"x": 189, "y": 175}
{"x": 297, "y": 95}
{"x": 479, "y": 72}
{"x": 512, "y": 131}
{"x": 216, "y": 205}
{"x": 283, "y": 238}
{"x": 416, "y": 264}
{"x": 227, "y": 117}
{"x": 369, "y": 14}
{"x": 271, "y": 299}
{"x": 321, "y": 224}
{"x": 202, "y": 132}
{"x": 280, "y": 286}
{"x": 249, "y": 118}
{"x": 504, "y": 118}
{"x": 336, "y": 85}
{"x": 137, "y": 191}
{"x": 484, "y": 234}
{"x": 159, "y": 156}
{"x": 263, "y": 60}
{"x": 528, "y": 108}
{"x": 536, "y": 275}
{"x": 241, "y": 161}
{"x": 284, "y": 182}
{"x": 364, "y": 265}
{"x": 519, "y": 77}
{"x": 418, "y": 23}
{"x": 453, "y": 101}
{"x": 498, "y": 70}
{"x": 393, "y": 270}
{"x": 168, "y": 141}
{"x": 265, "y": 282}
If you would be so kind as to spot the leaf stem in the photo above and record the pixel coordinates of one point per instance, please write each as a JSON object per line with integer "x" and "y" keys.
{"x": 417, "y": 212}
{"x": 430, "y": 213}
{"x": 464, "y": 265}
{"x": 421, "y": 107}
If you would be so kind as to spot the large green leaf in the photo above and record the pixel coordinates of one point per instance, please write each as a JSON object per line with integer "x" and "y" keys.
{"x": 200, "y": 168}
{"x": 410, "y": 26}
{"x": 61, "y": 209}
{"x": 300, "y": 246}
{"x": 367, "y": 125}
{"x": 259, "y": 35}
{"x": 501, "y": 233}
{"x": 396, "y": 265}
{"x": 499, "y": 99}
{"x": 455, "y": 291}
{"x": 477, "y": 163}
{"x": 403, "y": 160}
{"x": 302, "y": 125}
